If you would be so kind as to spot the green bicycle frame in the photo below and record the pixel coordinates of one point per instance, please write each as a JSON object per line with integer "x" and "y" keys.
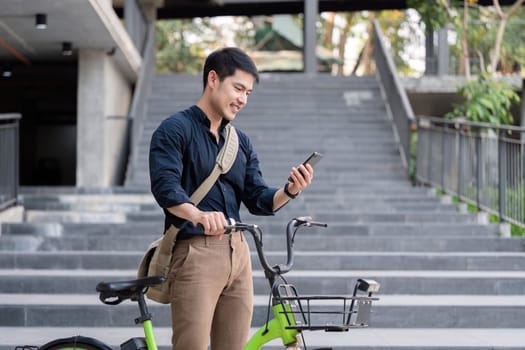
{"x": 151, "y": 342}
{"x": 275, "y": 328}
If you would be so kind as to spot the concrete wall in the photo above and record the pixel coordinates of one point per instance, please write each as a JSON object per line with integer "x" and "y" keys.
{"x": 436, "y": 96}
{"x": 104, "y": 97}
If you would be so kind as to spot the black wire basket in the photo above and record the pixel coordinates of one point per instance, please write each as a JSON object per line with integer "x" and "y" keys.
{"x": 331, "y": 313}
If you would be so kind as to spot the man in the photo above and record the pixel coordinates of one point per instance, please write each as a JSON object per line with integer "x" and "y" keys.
{"x": 211, "y": 287}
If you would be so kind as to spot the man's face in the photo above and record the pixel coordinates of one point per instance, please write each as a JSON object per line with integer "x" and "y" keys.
{"x": 231, "y": 95}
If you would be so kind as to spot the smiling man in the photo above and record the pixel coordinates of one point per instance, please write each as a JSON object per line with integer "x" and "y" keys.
{"x": 211, "y": 287}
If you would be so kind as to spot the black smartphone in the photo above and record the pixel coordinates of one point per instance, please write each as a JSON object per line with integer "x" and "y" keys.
{"x": 313, "y": 159}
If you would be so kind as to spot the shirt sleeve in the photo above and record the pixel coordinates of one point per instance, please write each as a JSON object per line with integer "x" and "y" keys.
{"x": 165, "y": 163}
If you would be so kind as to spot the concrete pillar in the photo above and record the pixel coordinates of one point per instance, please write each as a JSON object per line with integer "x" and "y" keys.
{"x": 443, "y": 56}
{"x": 103, "y": 100}
{"x": 430, "y": 59}
{"x": 311, "y": 11}
{"x": 135, "y": 23}
{"x": 90, "y": 118}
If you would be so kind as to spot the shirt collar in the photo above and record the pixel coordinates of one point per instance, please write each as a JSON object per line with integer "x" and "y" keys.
{"x": 202, "y": 118}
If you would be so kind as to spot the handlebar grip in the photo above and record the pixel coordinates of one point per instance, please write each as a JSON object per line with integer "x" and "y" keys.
{"x": 315, "y": 223}
{"x": 227, "y": 229}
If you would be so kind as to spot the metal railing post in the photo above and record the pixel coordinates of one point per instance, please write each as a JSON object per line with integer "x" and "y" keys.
{"x": 460, "y": 163}
{"x": 477, "y": 178}
{"x": 443, "y": 157}
{"x": 478, "y": 170}
{"x": 9, "y": 159}
{"x": 502, "y": 176}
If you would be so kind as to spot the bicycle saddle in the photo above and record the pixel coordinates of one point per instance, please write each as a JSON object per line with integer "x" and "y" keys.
{"x": 113, "y": 293}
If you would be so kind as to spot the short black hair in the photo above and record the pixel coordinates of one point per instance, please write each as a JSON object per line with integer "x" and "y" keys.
{"x": 226, "y": 61}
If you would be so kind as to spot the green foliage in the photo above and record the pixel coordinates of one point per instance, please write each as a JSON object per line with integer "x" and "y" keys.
{"x": 399, "y": 33}
{"x": 513, "y": 48}
{"x": 481, "y": 33}
{"x": 174, "y": 51}
{"x": 183, "y": 44}
{"x": 517, "y": 231}
{"x": 433, "y": 13}
{"x": 486, "y": 101}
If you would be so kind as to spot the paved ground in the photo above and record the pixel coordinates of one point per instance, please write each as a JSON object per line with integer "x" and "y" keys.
{"x": 362, "y": 338}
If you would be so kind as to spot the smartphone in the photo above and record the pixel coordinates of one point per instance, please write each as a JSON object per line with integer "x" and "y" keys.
{"x": 313, "y": 159}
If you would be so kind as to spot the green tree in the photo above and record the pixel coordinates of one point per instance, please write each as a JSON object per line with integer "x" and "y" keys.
{"x": 434, "y": 14}
{"x": 183, "y": 44}
{"x": 175, "y": 53}
{"x": 513, "y": 48}
{"x": 503, "y": 19}
{"x": 399, "y": 32}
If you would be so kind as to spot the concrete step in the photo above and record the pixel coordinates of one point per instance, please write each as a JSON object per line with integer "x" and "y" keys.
{"x": 391, "y": 311}
{"x": 333, "y": 219}
{"x": 304, "y": 260}
{"x": 366, "y": 338}
{"x": 53, "y": 191}
{"x": 346, "y": 169}
{"x": 387, "y": 190}
{"x": 412, "y": 282}
{"x": 321, "y": 204}
{"x": 270, "y": 226}
{"x": 318, "y": 210}
{"x": 310, "y": 242}
{"x": 89, "y": 207}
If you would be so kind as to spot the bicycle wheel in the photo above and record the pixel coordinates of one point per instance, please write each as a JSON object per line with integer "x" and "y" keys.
{"x": 76, "y": 343}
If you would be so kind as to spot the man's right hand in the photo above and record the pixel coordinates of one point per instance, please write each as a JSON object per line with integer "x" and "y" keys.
{"x": 211, "y": 222}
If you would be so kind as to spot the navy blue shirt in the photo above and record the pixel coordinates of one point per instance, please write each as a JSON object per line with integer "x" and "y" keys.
{"x": 182, "y": 154}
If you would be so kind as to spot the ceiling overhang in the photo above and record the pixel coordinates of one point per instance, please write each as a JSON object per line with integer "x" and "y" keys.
{"x": 173, "y": 9}
{"x": 190, "y": 9}
{"x": 87, "y": 24}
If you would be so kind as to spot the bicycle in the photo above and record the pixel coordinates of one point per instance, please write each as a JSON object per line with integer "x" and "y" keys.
{"x": 292, "y": 313}
{"x": 113, "y": 293}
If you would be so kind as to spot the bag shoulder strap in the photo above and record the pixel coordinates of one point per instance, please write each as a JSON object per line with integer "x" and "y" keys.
{"x": 223, "y": 163}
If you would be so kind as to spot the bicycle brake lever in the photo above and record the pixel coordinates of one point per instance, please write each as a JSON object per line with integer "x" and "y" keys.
{"x": 308, "y": 222}
{"x": 302, "y": 220}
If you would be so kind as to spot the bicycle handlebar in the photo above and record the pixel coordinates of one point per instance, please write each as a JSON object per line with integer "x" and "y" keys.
{"x": 290, "y": 233}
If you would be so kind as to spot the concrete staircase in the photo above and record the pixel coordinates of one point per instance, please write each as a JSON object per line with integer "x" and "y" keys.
{"x": 448, "y": 282}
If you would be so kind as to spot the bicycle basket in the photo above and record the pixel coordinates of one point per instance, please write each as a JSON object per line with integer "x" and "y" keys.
{"x": 331, "y": 313}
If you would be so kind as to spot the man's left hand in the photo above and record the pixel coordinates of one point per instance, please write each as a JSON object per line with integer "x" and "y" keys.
{"x": 302, "y": 177}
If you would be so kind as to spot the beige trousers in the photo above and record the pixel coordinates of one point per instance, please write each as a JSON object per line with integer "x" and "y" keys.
{"x": 211, "y": 293}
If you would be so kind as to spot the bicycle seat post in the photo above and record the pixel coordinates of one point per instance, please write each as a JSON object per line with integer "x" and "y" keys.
{"x": 145, "y": 320}
{"x": 143, "y": 308}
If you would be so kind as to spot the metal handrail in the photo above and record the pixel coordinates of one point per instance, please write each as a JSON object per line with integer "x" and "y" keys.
{"x": 9, "y": 159}
{"x": 458, "y": 123}
{"x": 480, "y": 163}
{"x": 138, "y": 105}
{"x": 394, "y": 93}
